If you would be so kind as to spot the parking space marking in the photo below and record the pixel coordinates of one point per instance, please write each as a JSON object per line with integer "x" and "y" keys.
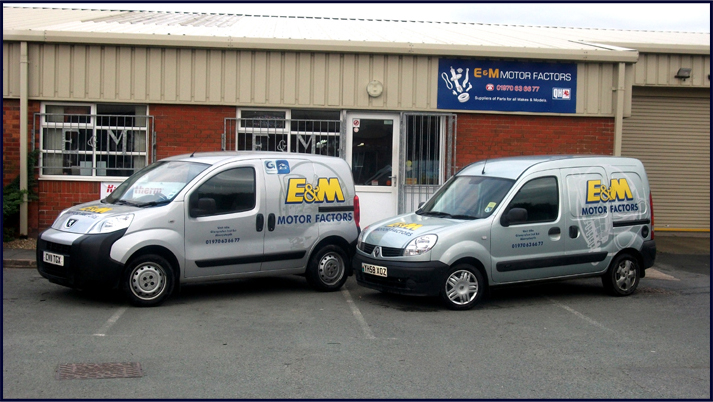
{"x": 656, "y": 274}
{"x": 357, "y": 315}
{"x": 580, "y": 315}
{"x": 110, "y": 322}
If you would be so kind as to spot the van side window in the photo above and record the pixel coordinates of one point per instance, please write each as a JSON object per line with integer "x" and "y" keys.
{"x": 227, "y": 192}
{"x": 540, "y": 198}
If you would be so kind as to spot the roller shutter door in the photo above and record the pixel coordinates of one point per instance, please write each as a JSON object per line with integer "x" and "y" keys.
{"x": 670, "y": 134}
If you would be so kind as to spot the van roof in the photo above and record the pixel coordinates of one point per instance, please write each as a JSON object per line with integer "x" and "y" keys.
{"x": 514, "y": 167}
{"x": 213, "y": 158}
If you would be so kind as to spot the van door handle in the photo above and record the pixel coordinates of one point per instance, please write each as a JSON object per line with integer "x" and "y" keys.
{"x": 271, "y": 222}
{"x": 259, "y": 222}
{"x": 554, "y": 231}
{"x": 573, "y": 232}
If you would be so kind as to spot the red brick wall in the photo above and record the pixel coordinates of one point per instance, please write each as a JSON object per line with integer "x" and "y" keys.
{"x": 485, "y": 136}
{"x": 11, "y": 137}
{"x": 57, "y": 195}
{"x": 185, "y": 129}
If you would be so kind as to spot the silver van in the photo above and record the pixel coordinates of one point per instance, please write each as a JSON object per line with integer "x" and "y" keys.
{"x": 209, "y": 217}
{"x": 517, "y": 220}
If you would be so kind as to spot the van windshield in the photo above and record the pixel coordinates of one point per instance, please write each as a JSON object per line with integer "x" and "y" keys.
{"x": 156, "y": 184}
{"x": 467, "y": 197}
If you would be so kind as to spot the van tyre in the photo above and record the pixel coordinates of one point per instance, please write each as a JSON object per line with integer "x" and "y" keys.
{"x": 327, "y": 271}
{"x": 622, "y": 277}
{"x": 148, "y": 280}
{"x": 463, "y": 287}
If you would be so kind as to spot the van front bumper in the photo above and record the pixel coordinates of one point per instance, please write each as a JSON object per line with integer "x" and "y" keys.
{"x": 408, "y": 278}
{"x": 87, "y": 264}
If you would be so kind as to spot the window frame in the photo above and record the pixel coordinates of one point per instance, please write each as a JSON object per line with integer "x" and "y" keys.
{"x": 514, "y": 198}
{"x": 94, "y": 128}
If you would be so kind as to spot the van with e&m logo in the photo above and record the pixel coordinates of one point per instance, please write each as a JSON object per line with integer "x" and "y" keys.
{"x": 209, "y": 217}
{"x": 517, "y": 220}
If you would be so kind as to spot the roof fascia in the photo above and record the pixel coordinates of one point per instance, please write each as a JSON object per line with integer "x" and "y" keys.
{"x": 593, "y": 55}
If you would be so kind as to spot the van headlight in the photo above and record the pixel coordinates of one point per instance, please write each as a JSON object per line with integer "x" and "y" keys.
{"x": 112, "y": 224}
{"x": 420, "y": 245}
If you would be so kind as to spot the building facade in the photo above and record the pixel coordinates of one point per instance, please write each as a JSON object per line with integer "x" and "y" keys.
{"x": 100, "y": 94}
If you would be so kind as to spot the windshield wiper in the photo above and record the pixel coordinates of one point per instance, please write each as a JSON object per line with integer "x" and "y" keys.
{"x": 124, "y": 202}
{"x": 469, "y": 217}
{"x": 153, "y": 203}
{"x": 437, "y": 213}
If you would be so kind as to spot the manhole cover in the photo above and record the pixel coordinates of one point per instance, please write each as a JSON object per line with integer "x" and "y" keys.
{"x": 82, "y": 371}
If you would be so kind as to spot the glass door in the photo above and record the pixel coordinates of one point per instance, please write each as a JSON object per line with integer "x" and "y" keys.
{"x": 372, "y": 152}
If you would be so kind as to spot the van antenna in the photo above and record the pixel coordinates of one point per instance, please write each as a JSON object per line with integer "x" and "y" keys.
{"x": 194, "y": 152}
{"x": 484, "y": 163}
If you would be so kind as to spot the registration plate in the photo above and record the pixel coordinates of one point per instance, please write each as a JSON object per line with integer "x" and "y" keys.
{"x": 373, "y": 269}
{"x": 52, "y": 258}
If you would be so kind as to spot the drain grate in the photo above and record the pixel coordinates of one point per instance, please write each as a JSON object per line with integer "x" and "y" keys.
{"x": 83, "y": 371}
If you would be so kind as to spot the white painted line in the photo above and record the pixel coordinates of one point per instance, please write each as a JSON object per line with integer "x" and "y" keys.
{"x": 357, "y": 315}
{"x": 656, "y": 274}
{"x": 580, "y": 315}
{"x": 110, "y": 322}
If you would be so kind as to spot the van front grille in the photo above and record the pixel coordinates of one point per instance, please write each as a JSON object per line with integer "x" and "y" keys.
{"x": 58, "y": 248}
{"x": 385, "y": 251}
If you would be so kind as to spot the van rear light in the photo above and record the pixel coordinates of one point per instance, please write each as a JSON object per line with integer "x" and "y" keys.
{"x": 651, "y": 206}
{"x": 357, "y": 211}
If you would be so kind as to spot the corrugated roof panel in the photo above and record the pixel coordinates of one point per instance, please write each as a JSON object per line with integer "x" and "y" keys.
{"x": 335, "y": 29}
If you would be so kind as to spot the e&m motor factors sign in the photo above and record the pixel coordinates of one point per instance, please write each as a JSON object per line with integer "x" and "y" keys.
{"x": 507, "y": 86}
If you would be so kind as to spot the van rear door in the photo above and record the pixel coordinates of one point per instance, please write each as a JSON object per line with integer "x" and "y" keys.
{"x": 588, "y": 221}
{"x": 290, "y": 207}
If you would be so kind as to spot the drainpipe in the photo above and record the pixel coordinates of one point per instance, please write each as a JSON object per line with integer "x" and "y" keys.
{"x": 24, "y": 85}
{"x": 619, "y": 116}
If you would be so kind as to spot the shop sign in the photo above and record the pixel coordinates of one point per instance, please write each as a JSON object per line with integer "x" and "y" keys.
{"x": 507, "y": 86}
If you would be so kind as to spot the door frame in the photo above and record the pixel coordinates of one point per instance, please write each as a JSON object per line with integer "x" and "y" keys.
{"x": 395, "y": 153}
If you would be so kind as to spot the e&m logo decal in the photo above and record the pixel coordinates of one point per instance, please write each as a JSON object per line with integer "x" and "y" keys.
{"x": 96, "y": 210}
{"x": 617, "y": 191}
{"x": 326, "y": 190}
{"x": 408, "y": 226}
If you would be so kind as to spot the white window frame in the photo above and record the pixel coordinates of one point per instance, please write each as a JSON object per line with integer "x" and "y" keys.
{"x": 94, "y": 127}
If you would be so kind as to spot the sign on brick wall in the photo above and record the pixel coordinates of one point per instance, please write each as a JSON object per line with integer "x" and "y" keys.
{"x": 507, "y": 86}
{"x": 107, "y": 188}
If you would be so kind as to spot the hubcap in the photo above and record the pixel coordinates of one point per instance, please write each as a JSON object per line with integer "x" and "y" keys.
{"x": 148, "y": 281}
{"x": 461, "y": 287}
{"x": 625, "y": 275}
{"x": 331, "y": 268}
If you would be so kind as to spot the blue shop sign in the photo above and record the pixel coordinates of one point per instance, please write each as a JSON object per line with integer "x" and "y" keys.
{"x": 507, "y": 86}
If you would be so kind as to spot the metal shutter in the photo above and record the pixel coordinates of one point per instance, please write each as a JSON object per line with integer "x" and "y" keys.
{"x": 671, "y": 136}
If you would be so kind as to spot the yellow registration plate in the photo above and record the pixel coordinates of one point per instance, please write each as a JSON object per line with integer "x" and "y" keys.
{"x": 373, "y": 269}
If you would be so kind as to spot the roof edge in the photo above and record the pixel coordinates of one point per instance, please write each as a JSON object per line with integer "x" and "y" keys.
{"x": 420, "y": 49}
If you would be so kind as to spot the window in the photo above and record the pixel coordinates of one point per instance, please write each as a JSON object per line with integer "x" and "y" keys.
{"x": 298, "y": 131}
{"x": 227, "y": 192}
{"x": 540, "y": 198}
{"x": 93, "y": 140}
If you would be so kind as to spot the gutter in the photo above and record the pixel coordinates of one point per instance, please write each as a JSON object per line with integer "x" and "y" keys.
{"x": 595, "y": 54}
{"x": 24, "y": 95}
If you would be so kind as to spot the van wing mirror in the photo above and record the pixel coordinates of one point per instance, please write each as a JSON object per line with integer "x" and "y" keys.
{"x": 514, "y": 216}
{"x": 205, "y": 206}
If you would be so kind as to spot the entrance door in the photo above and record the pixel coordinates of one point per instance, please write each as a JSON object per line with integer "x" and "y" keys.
{"x": 372, "y": 152}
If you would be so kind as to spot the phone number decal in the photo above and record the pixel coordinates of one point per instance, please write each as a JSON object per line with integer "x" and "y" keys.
{"x": 221, "y": 241}
{"x": 528, "y": 244}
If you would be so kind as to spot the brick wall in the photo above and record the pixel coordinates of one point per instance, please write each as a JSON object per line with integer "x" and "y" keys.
{"x": 185, "y": 129}
{"x": 484, "y": 136}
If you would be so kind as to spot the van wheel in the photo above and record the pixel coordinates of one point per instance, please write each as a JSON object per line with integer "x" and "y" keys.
{"x": 463, "y": 287}
{"x": 148, "y": 280}
{"x": 622, "y": 277}
{"x": 327, "y": 269}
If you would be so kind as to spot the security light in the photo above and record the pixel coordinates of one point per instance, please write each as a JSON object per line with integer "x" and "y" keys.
{"x": 683, "y": 73}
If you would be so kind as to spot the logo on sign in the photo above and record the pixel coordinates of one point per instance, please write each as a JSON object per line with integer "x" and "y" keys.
{"x": 326, "y": 190}
{"x": 561, "y": 93}
{"x": 490, "y": 87}
{"x": 270, "y": 167}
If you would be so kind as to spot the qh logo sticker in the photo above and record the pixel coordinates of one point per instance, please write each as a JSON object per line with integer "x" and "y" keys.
{"x": 561, "y": 93}
{"x": 270, "y": 167}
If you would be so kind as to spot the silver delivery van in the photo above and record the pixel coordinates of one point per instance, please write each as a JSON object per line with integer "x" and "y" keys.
{"x": 517, "y": 220}
{"x": 209, "y": 217}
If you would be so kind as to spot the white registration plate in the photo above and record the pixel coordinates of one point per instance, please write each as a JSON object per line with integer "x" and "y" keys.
{"x": 373, "y": 269}
{"x": 52, "y": 258}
